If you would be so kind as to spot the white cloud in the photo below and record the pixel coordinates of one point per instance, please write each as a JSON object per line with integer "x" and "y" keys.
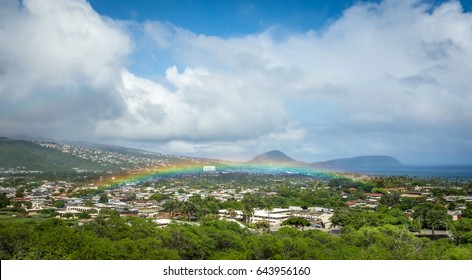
{"x": 203, "y": 107}
{"x": 59, "y": 63}
{"x": 381, "y": 68}
{"x": 383, "y": 78}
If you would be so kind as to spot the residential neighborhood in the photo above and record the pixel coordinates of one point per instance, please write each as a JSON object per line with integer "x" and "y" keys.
{"x": 151, "y": 199}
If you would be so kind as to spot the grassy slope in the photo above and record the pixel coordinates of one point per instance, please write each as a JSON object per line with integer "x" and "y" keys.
{"x": 15, "y": 153}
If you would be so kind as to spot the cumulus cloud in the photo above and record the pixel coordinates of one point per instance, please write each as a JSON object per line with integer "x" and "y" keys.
{"x": 59, "y": 63}
{"x": 203, "y": 107}
{"x": 388, "y": 77}
{"x": 384, "y": 78}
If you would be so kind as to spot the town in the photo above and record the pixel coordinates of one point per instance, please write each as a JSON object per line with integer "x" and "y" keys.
{"x": 241, "y": 207}
{"x": 264, "y": 201}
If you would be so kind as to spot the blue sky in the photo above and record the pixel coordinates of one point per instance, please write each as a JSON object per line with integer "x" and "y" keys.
{"x": 227, "y": 18}
{"x": 231, "y": 79}
{"x": 234, "y": 17}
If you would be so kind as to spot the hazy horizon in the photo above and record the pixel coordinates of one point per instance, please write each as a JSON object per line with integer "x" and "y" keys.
{"x": 317, "y": 80}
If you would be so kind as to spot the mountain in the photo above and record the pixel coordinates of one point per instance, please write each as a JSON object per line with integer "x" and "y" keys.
{"x": 360, "y": 162}
{"x": 273, "y": 157}
{"x": 26, "y": 156}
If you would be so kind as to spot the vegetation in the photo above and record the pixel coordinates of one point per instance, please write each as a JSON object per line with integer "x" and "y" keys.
{"x": 388, "y": 231}
{"x": 26, "y": 154}
{"x": 296, "y": 222}
{"x": 113, "y": 237}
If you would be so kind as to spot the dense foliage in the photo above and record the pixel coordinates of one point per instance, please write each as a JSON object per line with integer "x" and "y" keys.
{"x": 113, "y": 237}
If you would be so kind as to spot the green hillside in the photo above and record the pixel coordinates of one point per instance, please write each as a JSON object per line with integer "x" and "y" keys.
{"x": 31, "y": 156}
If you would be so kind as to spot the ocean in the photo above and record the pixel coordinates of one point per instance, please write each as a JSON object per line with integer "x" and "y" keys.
{"x": 447, "y": 171}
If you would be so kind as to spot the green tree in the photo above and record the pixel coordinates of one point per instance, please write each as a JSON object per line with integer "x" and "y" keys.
{"x": 103, "y": 198}
{"x": 59, "y": 204}
{"x": 420, "y": 212}
{"x": 296, "y": 222}
{"x": 269, "y": 208}
{"x": 83, "y": 215}
{"x": 264, "y": 247}
{"x": 49, "y": 212}
{"x": 227, "y": 236}
{"x": 68, "y": 215}
{"x": 159, "y": 197}
{"x": 391, "y": 199}
{"x": 248, "y": 211}
{"x": 386, "y": 242}
{"x": 4, "y": 200}
{"x": 438, "y": 192}
{"x": 452, "y": 206}
{"x": 20, "y": 192}
{"x": 188, "y": 208}
{"x": 357, "y": 218}
{"x": 462, "y": 230}
{"x": 340, "y": 183}
{"x": 467, "y": 213}
{"x": 431, "y": 215}
{"x": 379, "y": 190}
{"x": 15, "y": 241}
{"x": 232, "y": 213}
{"x": 210, "y": 205}
{"x": 437, "y": 216}
{"x": 189, "y": 241}
{"x": 92, "y": 211}
{"x": 263, "y": 226}
{"x": 171, "y": 206}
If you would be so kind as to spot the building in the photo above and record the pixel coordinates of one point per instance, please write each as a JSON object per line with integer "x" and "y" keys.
{"x": 209, "y": 168}
{"x": 234, "y": 214}
{"x": 274, "y": 217}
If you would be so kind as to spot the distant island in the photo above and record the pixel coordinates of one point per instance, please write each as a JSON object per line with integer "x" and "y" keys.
{"x": 274, "y": 157}
{"x": 361, "y": 162}
{"x": 376, "y": 161}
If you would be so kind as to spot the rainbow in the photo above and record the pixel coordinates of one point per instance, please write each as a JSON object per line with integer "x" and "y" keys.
{"x": 149, "y": 173}
{"x": 194, "y": 169}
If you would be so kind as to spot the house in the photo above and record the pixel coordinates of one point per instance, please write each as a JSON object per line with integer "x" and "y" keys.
{"x": 455, "y": 214}
{"x": 412, "y": 194}
{"x": 148, "y": 213}
{"x": 374, "y": 196}
{"x": 79, "y": 209}
{"x": 362, "y": 203}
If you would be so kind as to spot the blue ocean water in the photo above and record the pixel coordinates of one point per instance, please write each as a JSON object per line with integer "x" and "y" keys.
{"x": 450, "y": 172}
{"x": 446, "y": 171}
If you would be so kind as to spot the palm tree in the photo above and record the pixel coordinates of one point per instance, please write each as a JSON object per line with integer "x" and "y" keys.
{"x": 248, "y": 211}
{"x": 232, "y": 213}
{"x": 269, "y": 208}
